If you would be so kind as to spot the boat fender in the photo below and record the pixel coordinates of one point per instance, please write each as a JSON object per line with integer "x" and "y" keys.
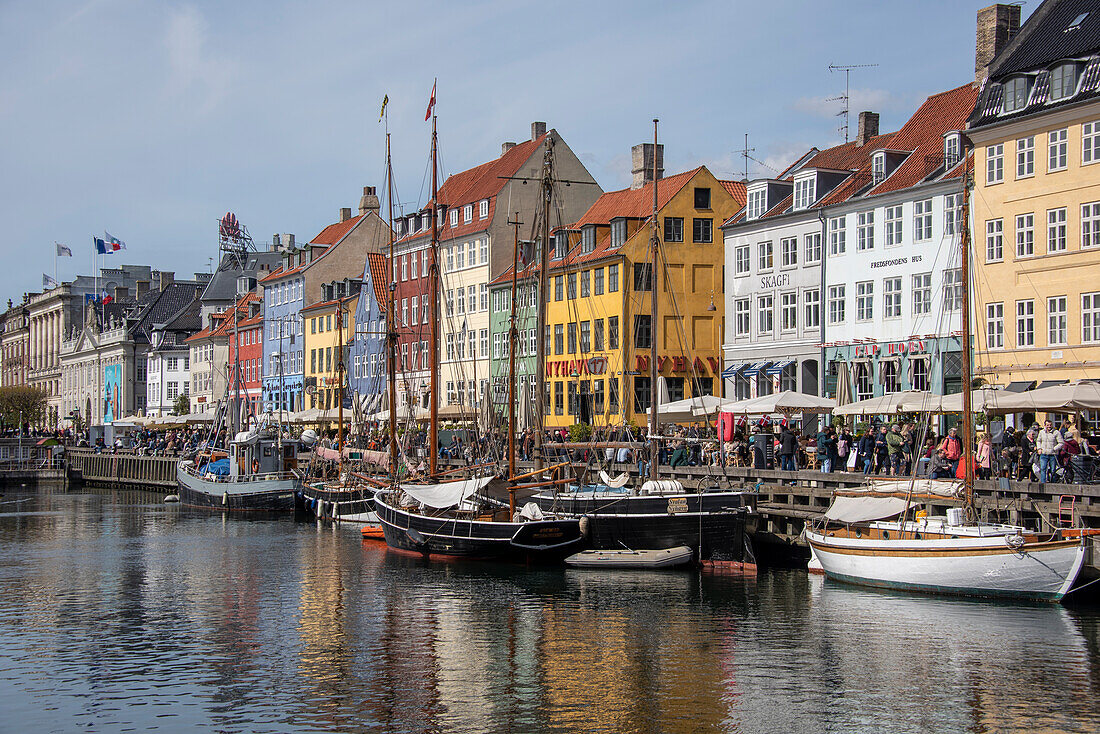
{"x": 172, "y": 498}
{"x": 662, "y": 486}
{"x": 583, "y": 525}
{"x": 225, "y": 498}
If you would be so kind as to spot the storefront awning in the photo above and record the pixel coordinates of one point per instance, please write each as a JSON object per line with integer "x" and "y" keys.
{"x": 1020, "y": 386}
{"x": 755, "y": 368}
{"x": 730, "y": 372}
{"x": 1052, "y": 383}
{"x": 778, "y": 367}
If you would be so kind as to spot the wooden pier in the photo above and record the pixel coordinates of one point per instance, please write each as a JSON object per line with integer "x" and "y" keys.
{"x": 122, "y": 469}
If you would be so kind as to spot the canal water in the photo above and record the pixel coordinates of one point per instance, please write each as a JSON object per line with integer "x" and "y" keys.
{"x": 119, "y": 613}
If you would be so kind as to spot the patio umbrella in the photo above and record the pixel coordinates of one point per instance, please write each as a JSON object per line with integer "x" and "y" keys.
{"x": 688, "y": 410}
{"x": 843, "y": 385}
{"x": 1057, "y": 398}
{"x": 785, "y": 402}
{"x": 888, "y": 404}
{"x": 981, "y": 400}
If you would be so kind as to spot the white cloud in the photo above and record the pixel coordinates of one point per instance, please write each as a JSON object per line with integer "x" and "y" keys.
{"x": 197, "y": 73}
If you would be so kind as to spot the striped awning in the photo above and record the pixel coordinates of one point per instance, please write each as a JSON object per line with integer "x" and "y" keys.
{"x": 778, "y": 367}
{"x": 730, "y": 372}
{"x": 755, "y": 368}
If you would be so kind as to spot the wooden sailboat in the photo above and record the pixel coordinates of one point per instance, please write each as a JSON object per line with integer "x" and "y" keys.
{"x": 473, "y": 517}
{"x": 865, "y": 538}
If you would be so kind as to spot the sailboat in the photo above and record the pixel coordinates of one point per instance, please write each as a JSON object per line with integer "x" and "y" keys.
{"x": 659, "y": 514}
{"x": 474, "y": 517}
{"x": 867, "y": 537}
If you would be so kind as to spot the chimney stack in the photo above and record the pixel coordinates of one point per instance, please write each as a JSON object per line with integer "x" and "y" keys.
{"x": 868, "y": 127}
{"x": 505, "y": 147}
{"x": 538, "y": 129}
{"x": 141, "y": 287}
{"x": 164, "y": 278}
{"x": 642, "y": 158}
{"x": 345, "y": 213}
{"x": 997, "y": 25}
{"x": 369, "y": 201}
{"x": 121, "y": 293}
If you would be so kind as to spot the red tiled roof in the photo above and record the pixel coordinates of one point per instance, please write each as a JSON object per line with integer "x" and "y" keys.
{"x": 923, "y": 135}
{"x": 333, "y": 233}
{"x": 634, "y": 203}
{"x": 736, "y": 189}
{"x": 379, "y": 276}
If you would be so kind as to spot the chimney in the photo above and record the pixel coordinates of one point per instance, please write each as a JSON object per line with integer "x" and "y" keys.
{"x": 997, "y": 25}
{"x": 505, "y": 147}
{"x": 642, "y": 158}
{"x": 275, "y": 242}
{"x": 121, "y": 293}
{"x": 141, "y": 287}
{"x": 369, "y": 201}
{"x": 868, "y": 127}
{"x": 538, "y": 129}
{"x": 345, "y": 213}
{"x": 288, "y": 241}
{"x": 164, "y": 278}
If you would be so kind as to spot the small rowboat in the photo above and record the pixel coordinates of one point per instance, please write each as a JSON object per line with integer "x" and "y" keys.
{"x": 666, "y": 558}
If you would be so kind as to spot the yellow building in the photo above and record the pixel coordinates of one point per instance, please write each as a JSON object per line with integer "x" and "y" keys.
{"x": 322, "y": 343}
{"x": 1036, "y": 202}
{"x": 599, "y": 297}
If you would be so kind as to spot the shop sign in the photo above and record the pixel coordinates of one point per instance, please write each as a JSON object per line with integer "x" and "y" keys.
{"x": 911, "y": 346}
{"x": 567, "y": 367}
{"x": 676, "y": 364}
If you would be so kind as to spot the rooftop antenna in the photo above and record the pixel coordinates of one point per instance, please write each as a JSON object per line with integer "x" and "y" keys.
{"x": 745, "y": 154}
{"x": 844, "y": 98}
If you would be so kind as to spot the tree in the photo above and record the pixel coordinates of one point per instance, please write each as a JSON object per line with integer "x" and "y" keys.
{"x": 21, "y": 402}
{"x": 182, "y": 404}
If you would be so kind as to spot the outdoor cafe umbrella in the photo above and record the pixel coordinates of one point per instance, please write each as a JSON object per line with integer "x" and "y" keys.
{"x": 888, "y": 404}
{"x": 688, "y": 410}
{"x": 1075, "y": 396}
{"x": 981, "y": 400}
{"x": 785, "y": 402}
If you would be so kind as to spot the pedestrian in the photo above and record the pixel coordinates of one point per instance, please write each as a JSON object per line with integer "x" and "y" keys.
{"x": 867, "y": 450}
{"x": 788, "y": 445}
{"x": 952, "y": 448}
{"x": 826, "y": 449}
{"x": 894, "y": 443}
{"x": 984, "y": 456}
{"x": 1048, "y": 442}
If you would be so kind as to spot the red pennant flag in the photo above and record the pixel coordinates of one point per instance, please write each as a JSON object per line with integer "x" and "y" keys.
{"x": 431, "y": 104}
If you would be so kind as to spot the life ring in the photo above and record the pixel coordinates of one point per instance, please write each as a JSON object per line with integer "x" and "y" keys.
{"x": 255, "y": 466}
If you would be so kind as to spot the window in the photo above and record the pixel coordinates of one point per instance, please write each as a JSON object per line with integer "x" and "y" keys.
{"x": 559, "y": 338}
{"x": 559, "y": 403}
{"x": 597, "y": 281}
{"x": 1025, "y": 235}
{"x": 598, "y": 396}
{"x": 891, "y": 298}
{"x": 952, "y": 289}
{"x": 559, "y": 287}
{"x": 702, "y": 198}
{"x": 468, "y": 213}
{"x": 764, "y": 251}
{"x": 471, "y": 299}
{"x": 496, "y": 345}
{"x": 741, "y": 260}
{"x": 788, "y": 251}
{"x": 788, "y": 311}
{"x": 804, "y": 192}
{"x": 424, "y": 265}
{"x": 757, "y": 204}
{"x": 765, "y": 321}
{"x": 865, "y": 231}
{"x": 586, "y": 283}
{"x": 471, "y": 337}
{"x": 994, "y": 164}
{"x": 813, "y": 247}
{"x": 865, "y": 301}
{"x": 1090, "y": 142}
{"x": 571, "y": 286}
{"x": 404, "y": 268}
{"x": 450, "y": 346}
{"x": 412, "y": 265}
{"x": 1063, "y": 81}
{"x": 836, "y": 236}
{"x": 597, "y": 335}
{"x": 643, "y": 276}
{"x": 586, "y": 337}
{"x": 811, "y": 301}
{"x": 450, "y": 259}
{"x": 483, "y": 298}
{"x": 836, "y": 304}
{"x": 460, "y": 257}
{"x": 618, "y": 235}
{"x": 612, "y": 332}
{"x": 742, "y": 325}
{"x": 1056, "y": 230}
{"x": 1090, "y": 225}
{"x": 1025, "y": 323}
{"x": 471, "y": 253}
{"x": 1057, "y": 321}
{"x": 454, "y": 217}
{"x": 483, "y": 249}
{"x": 642, "y": 335}
{"x": 922, "y": 220}
{"x": 405, "y": 312}
{"x": 483, "y": 209}
{"x": 674, "y": 229}
{"x": 702, "y": 230}
{"x": 1015, "y": 93}
{"x": 173, "y": 390}
{"x": 561, "y": 245}
{"x": 1090, "y": 318}
{"x": 994, "y": 240}
{"x": 951, "y": 154}
{"x": 878, "y": 167}
{"x": 613, "y": 278}
{"x": 995, "y": 325}
{"x": 1025, "y": 157}
{"x": 460, "y": 300}
{"x": 922, "y": 294}
{"x": 1057, "y": 149}
{"x": 893, "y": 225}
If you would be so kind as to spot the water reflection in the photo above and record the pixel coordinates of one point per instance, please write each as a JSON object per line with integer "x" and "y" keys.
{"x": 117, "y": 611}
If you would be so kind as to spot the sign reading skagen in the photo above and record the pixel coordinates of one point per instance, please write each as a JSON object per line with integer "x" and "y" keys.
{"x": 775, "y": 281}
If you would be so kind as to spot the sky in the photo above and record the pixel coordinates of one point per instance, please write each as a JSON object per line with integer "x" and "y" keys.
{"x": 151, "y": 119}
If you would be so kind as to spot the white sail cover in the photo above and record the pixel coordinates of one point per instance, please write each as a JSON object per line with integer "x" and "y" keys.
{"x": 864, "y": 509}
{"x": 447, "y": 494}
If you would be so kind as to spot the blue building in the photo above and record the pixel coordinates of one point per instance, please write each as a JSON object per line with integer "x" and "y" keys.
{"x": 282, "y": 347}
{"x": 367, "y": 360}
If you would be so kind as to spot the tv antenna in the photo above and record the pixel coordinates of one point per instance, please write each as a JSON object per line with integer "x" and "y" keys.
{"x": 745, "y": 154}
{"x": 845, "y": 98}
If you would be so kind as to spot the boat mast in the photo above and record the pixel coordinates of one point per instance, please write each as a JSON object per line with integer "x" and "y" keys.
{"x": 512, "y": 339}
{"x": 653, "y": 284}
{"x": 967, "y": 416}
{"x": 340, "y": 377}
{"x": 540, "y": 320}
{"x": 391, "y": 331}
{"x": 433, "y": 289}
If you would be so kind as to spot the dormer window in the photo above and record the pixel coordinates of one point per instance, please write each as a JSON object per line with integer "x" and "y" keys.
{"x": 561, "y": 245}
{"x": 1016, "y": 91}
{"x": 467, "y": 213}
{"x": 399, "y": 225}
{"x": 878, "y": 167}
{"x": 758, "y": 203}
{"x": 454, "y": 217}
{"x": 804, "y": 192}
{"x": 483, "y": 209}
{"x": 618, "y": 235}
{"x": 1063, "y": 80}
{"x": 951, "y": 150}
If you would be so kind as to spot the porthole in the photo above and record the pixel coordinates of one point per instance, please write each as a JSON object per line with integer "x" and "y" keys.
{"x": 886, "y": 535}
{"x": 916, "y": 536}
{"x": 859, "y": 533}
